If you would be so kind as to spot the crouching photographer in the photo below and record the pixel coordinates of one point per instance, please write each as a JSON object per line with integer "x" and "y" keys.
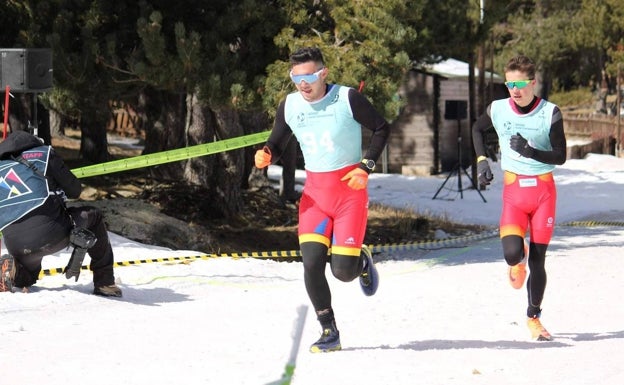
{"x": 35, "y": 221}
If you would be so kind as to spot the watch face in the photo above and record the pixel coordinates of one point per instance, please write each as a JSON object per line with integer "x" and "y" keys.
{"x": 370, "y": 164}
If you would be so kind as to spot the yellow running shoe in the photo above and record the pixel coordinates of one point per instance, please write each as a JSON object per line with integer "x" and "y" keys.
{"x": 538, "y": 332}
{"x": 329, "y": 341}
{"x": 369, "y": 279}
{"x": 517, "y": 274}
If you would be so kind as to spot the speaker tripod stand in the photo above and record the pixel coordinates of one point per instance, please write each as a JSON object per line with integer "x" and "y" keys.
{"x": 457, "y": 170}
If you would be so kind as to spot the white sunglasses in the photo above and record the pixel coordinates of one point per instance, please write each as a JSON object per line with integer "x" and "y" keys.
{"x": 308, "y": 78}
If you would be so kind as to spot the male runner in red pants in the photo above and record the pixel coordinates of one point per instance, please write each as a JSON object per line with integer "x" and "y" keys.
{"x": 532, "y": 142}
{"x": 327, "y": 120}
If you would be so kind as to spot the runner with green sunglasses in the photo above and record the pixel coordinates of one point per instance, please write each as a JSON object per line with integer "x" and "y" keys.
{"x": 532, "y": 142}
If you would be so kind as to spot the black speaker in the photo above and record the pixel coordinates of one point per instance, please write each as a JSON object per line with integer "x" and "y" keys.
{"x": 26, "y": 69}
{"x": 455, "y": 109}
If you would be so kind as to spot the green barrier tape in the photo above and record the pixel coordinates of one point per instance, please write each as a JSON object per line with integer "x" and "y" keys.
{"x": 171, "y": 155}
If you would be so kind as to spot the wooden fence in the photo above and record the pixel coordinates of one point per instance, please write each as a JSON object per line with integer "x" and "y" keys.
{"x": 125, "y": 121}
{"x": 601, "y": 133}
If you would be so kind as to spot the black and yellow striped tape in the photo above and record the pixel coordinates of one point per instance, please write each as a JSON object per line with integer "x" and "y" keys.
{"x": 594, "y": 223}
{"x": 293, "y": 254}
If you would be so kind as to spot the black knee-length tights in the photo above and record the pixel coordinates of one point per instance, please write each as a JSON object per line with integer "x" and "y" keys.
{"x": 344, "y": 267}
{"x": 513, "y": 250}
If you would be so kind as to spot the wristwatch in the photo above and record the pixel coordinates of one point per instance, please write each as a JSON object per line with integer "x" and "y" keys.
{"x": 369, "y": 164}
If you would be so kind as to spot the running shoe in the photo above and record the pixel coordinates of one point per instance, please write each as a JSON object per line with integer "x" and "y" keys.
{"x": 329, "y": 342}
{"x": 7, "y": 269}
{"x": 369, "y": 279}
{"x": 517, "y": 274}
{"x": 538, "y": 332}
{"x": 108, "y": 291}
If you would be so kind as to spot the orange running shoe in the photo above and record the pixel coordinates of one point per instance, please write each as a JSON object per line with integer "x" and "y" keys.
{"x": 517, "y": 274}
{"x": 538, "y": 332}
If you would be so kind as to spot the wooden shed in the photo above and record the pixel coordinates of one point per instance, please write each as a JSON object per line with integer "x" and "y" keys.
{"x": 427, "y": 135}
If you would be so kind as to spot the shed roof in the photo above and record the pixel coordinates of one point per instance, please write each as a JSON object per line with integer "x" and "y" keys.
{"x": 456, "y": 69}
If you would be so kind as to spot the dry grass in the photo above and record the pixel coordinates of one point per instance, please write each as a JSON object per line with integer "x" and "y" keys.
{"x": 392, "y": 225}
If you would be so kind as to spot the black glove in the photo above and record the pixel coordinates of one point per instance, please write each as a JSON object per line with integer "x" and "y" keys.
{"x": 521, "y": 146}
{"x": 484, "y": 173}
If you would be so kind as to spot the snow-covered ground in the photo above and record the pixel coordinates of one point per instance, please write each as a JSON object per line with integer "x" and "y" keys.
{"x": 444, "y": 313}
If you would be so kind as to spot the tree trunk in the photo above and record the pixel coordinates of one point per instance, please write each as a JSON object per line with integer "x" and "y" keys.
{"x": 43, "y": 123}
{"x": 19, "y": 114}
{"x": 200, "y": 129}
{"x": 164, "y": 118}
{"x": 22, "y": 116}
{"x": 57, "y": 124}
{"x": 175, "y": 121}
{"x": 229, "y": 165}
{"x": 93, "y": 142}
{"x": 253, "y": 122}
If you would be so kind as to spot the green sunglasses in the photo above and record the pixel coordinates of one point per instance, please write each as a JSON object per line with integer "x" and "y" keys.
{"x": 519, "y": 84}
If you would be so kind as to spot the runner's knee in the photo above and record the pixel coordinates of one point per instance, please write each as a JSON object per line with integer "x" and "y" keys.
{"x": 513, "y": 249}
{"x": 345, "y": 267}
